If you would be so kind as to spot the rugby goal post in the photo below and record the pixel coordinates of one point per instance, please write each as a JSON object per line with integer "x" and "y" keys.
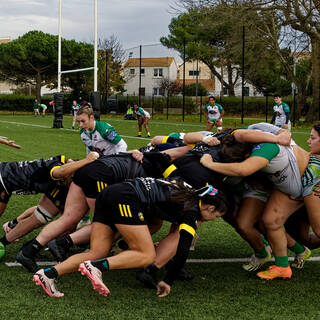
{"x": 94, "y": 96}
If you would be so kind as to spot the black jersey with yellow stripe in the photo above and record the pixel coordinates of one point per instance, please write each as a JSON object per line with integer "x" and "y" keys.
{"x": 25, "y": 177}
{"x": 157, "y": 194}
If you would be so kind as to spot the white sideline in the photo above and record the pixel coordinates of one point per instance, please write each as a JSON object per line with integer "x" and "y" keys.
{"x": 219, "y": 260}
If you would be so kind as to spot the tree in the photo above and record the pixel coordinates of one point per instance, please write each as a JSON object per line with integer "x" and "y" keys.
{"x": 33, "y": 58}
{"x": 170, "y": 87}
{"x": 208, "y": 40}
{"x": 190, "y": 90}
{"x": 271, "y": 44}
{"x": 111, "y": 56}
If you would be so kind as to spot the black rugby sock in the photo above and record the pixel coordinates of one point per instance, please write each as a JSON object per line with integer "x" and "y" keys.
{"x": 32, "y": 248}
{"x": 65, "y": 242}
{"x": 51, "y": 272}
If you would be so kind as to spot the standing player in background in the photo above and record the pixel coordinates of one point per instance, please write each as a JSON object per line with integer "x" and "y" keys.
{"x": 213, "y": 112}
{"x": 281, "y": 113}
{"x": 97, "y": 135}
{"x": 74, "y": 109}
{"x": 44, "y": 108}
{"x": 36, "y": 108}
{"x": 143, "y": 119}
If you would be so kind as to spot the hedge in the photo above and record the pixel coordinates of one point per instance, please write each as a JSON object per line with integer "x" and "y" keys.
{"x": 15, "y": 102}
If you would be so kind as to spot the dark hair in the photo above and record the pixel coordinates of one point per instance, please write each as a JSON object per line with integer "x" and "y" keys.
{"x": 232, "y": 150}
{"x": 212, "y": 97}
{"x": 186, "y": 194}
{"x": 277, "y": 95}
{"x": 316, "y": 127}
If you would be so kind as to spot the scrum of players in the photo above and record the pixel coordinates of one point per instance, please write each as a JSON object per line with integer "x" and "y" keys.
{"x": 257, "y": 179}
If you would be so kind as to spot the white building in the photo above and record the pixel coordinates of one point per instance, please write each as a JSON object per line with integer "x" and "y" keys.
{"x": 153, "y": 71}
{"x": 211, "y": 82}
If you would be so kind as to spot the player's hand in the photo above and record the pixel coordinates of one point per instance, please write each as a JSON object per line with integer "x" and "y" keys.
{"x": 206, "y": 159}
{"x": 13, "y": 145}
{"x": 163, "y": 289}
{"x": 285, "y": 126}
{"x": 92, "y": 156}
{"x": 211, "y": 141}
{"x": 284, "y": 138}
{"x": 137, "y": 155}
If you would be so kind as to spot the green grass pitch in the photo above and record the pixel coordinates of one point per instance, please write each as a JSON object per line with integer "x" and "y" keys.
{"x": 219, "y": 290}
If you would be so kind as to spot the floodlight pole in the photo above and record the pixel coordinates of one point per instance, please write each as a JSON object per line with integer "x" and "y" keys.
{"x": 95, "y": 79}
{"x": 59, "y": 46}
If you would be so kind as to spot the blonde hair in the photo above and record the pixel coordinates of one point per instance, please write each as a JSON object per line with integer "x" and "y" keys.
{"x": 85, "y": 108}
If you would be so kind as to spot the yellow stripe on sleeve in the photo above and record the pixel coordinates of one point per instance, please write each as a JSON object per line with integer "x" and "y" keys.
{"x": 63, "y": 159}
{"x": 53, "y": 191}
{"x": 187, "y": 228}
{"x": 120, "y": 208}
{"x": 129, "y": 211}
{"x": 98, "y": 185}
{"x": 55, "y": 194}
{"x": 165, "y": 139}
{"x": 169, "y": 170}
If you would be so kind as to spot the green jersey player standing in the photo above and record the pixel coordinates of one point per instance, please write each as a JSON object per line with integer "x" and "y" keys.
{"x": 213, "y": 112}
{"x": 281, "y": 113}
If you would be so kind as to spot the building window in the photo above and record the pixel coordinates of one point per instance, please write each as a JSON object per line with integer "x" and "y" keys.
{"x": 142, "y": 91}
{"x": 158, "y": 91}
{"x": 225, "y": 91}
{"x": 142, "y": 71}
{"x": 158, "y": 72}
{"x": 131, "y": 71}
{"x": 193, "y": 72}
{"x": 246, "y": 91}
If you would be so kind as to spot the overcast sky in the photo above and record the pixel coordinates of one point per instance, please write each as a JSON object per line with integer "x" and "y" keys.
{"x": 133, "y": 22}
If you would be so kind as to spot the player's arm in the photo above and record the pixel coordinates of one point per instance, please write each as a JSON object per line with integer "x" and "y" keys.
{"x": 10, "y": 143}
{"x": 67, "y": 169}
{"x": 196, "y": 137}
{"x": 283, "y": 137}
{"x": 235, "y": 169}
{"x": 187, "y": 232}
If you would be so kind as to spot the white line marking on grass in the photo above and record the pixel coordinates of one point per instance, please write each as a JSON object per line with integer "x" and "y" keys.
{"x": 64, "y": 129}
{"x": 218, "y": 260}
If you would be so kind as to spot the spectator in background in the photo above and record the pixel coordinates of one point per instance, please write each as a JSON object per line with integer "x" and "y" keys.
{"x": 213, "y": 112}
{"x": 36, "y": 108}
{"x": 74, "y": 109}
{"x": 143, "y": 119}
{"x": 129, "y": 115}
{"x": 281, "y": 113}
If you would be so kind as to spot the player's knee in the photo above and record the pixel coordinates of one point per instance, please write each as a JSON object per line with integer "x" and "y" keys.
{"x": 243, "y": 226}
{"x": 43, "y": 215}
{"x": 272, "y": 223}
